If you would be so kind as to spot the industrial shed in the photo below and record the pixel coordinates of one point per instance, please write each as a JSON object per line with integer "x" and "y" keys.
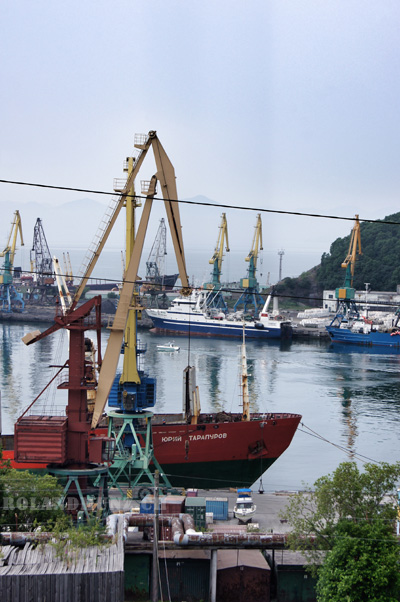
{"x": 291, "y": 582}
{"x": 34, "y": 572}
{"x": 243, "y": 575}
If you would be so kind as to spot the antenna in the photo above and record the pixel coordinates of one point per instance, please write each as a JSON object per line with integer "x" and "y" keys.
{"x": 281, "y": 254}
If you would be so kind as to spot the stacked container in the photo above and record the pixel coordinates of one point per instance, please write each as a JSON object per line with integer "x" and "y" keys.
{"x": 172, "y": 504}
{"x": 196, "y": 507}
{"x": 218, "y": 506}
{"x": 147, "y": 504}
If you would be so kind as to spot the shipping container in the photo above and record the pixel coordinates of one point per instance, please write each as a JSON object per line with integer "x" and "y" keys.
{"x": 218, "y": 506}
{"x": 192, "y": 493}
{"x": 147, "y": 504}
{"x": 172, "y": 504}
{"x": 41, "y": 439}
{"x": 196, "y": 507}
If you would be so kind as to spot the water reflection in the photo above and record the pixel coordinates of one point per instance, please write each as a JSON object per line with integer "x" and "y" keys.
{"x": 213, "y": 367}
{"x": 348, "y": 397}
{"x": 350, "y": 420}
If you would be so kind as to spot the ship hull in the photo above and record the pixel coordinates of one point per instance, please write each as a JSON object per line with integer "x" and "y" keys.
{"x": 219, "y": 328}
{"x": 221, "y": 451}
{"x": 368, "y": 339}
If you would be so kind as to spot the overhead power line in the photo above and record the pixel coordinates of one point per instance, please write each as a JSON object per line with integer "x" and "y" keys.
{"x": 202, "y": 203}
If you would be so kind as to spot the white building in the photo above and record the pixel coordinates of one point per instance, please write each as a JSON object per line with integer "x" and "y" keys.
{"x": 372, "y": 300}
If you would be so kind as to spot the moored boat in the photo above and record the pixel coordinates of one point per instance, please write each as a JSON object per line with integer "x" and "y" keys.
{"x": 193, "y": 315}
{"x": 245, "y": 508}
{"x": 220, "y": 451}
{"x": 168, "y": 347}
{"x": 361, "y": 331}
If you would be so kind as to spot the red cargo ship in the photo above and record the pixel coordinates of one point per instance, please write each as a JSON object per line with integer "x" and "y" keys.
{"x": 220, "y": 451}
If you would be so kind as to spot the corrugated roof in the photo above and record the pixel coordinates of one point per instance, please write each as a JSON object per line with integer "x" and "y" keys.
{"x": 232, "y": 558}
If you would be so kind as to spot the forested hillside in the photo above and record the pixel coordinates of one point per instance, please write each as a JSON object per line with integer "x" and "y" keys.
{"x": 379, "y": 263}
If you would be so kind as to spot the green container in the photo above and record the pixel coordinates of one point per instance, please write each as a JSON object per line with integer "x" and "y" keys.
{"x": 196, "y": 507}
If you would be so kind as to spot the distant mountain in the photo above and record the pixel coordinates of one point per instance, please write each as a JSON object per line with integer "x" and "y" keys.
{"x": 72, "y": 224}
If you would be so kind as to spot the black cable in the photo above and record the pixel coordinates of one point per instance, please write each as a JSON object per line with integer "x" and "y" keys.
{"x": 201, "y": 203}
{"x": 223, "y": 289}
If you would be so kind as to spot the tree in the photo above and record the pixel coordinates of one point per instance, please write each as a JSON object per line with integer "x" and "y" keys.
{"x": 349, "y": 519}
{"x": 362, "y": 565}
{"x": 28, "y": 499}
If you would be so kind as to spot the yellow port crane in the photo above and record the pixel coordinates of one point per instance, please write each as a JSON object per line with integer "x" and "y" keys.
{"x": 215, "y": 298}
{"x": 250, "y": 295}
{"x": 345, "y": 294}
{"x": 9, "y": 298}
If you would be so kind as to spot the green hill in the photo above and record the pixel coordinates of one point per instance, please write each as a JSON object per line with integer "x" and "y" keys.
{"x": 378, "y": 264}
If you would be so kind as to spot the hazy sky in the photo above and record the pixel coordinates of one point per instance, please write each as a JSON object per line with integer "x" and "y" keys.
{"x": 281, "y": 104}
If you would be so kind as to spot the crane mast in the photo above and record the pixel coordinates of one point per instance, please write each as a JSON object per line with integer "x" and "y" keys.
{"x": 123, "y": 330}
{"x": 216, "y": 259}
{"x": 156, "y": 261}
{"x": 9, "y": 297}
{"x": 345, "y": 294}
{"x": 251, "y": 295}
{"x": 215, "y": 298}
{"x": 41, "y": 261}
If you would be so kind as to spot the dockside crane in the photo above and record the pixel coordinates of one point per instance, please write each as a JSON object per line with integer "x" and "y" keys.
{"x": 132, "y": 392}
{"x": 251, "y": 295}
{"x": 215, "y": 299}
{"x": 69, "y": 276}
{"x": 345, "y": 294}
{"x": 41, "y": 261}
{"x": 157, "y": 282}
{"x": 10, "y": 299}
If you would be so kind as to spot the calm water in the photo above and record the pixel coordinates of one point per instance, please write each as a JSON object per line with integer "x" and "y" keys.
{"x": 348, "y": 397}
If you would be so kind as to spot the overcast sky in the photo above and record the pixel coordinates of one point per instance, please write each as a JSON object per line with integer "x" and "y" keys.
{"x": 281, "y": 104}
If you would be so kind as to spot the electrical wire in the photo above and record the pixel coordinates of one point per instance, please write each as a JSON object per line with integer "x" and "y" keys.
{"x": 346, "y": 450}
{"x": 200, "y": 203}
{"x": 225, "y": 289}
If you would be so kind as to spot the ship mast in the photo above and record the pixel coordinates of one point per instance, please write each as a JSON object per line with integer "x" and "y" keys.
{"x": 245, "y": 383}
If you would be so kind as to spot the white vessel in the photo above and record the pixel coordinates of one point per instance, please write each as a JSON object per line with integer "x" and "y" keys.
{"x": 192, "y": 315}
{"x": 245, "y": 508}
{"x": 168, "y": 347}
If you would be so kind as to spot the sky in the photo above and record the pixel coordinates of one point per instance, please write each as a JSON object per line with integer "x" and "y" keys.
{"x": 266, "y": 105}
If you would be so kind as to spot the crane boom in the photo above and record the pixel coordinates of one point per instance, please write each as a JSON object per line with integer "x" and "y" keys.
{"x": 10, "y": 248}
{"x": 257, "y": 245}
{"x": 111, "y": 356}
{"x": 354, "y": 246}
{"x": 216, "y": 259}
{"x": 345, "y": 294}
{"x": 110, "y": 220}
{"x": 250, "y": 295}
{"x": 11, "y": 245}
{"x": 166, "y": 176}
{"x": 41, "y": 261}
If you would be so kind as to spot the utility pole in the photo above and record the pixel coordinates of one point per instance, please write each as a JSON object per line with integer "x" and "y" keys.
{"x": 281, "y": 254}
{"x": 154, "y": 589}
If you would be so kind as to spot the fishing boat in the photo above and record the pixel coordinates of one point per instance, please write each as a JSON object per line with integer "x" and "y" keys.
{"x": 193, "y": 315}
{"x": 362, "y": 331}
{"x": 168, "y": 347}
{"x": 244, "y": 509}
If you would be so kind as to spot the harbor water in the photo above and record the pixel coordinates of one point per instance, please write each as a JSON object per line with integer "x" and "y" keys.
{"x": 349, "y": 398}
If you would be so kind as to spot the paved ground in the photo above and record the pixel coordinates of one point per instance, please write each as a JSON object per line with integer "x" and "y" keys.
{"x": 268, "y": 506}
